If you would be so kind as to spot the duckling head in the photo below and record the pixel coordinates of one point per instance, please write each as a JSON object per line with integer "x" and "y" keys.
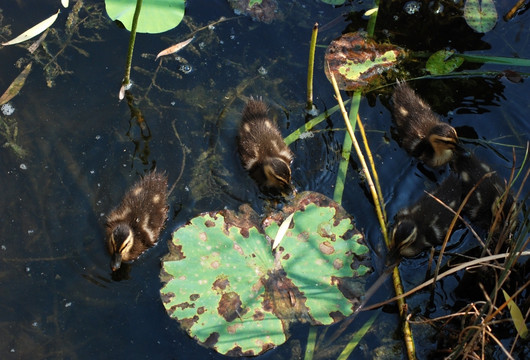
{"x": 404, "y": 238}
{"x": 277, "y": 174}
{"x": 444, "y": 141}
{"x": 120, "y": 243}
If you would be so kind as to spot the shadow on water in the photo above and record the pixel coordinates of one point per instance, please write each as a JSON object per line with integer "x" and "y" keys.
{"x": 85, "y": 148}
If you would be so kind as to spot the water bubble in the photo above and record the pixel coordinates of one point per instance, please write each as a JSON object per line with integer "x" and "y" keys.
{"x": 98, "y": 137}
{"x": 436, "y": 7}
{"x": 262, "y": 71}
{"x": 31, "y": 231}
{"x": 202, "y": 45}
{"x": 7, "y": 109}
{"x": 3, "y": 247}
{"x": 232, "y": 37}
{"x": 186, "y": 68}
{"x": 412, "y": 7}
{"x": 23, "y": 166}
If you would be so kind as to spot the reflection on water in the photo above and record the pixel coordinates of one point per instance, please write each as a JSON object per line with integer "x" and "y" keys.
{"x": 84, "y": 149}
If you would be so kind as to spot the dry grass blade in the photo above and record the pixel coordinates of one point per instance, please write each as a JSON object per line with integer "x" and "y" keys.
{"x": 282, "y": 231}
{"x": 34, "y": 31}
{"x": 173, "y": 49}
{"x": 16, "y": 85}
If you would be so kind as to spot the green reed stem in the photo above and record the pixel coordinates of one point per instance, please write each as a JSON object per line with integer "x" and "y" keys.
{"x": 132, "y": 39}
{"x": 311, "y": 67}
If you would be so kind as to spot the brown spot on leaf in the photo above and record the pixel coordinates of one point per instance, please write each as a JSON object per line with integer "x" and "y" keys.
{"x": 286, "y": 256}
{"x": 215, "y": 264}
{"x": 211, "y": 341}
{"x": 326, "y": 248}
{"x": 203, "y": 236}
{"x": 220, "y": 284}
{"x": 229, "y": 306}
{"x": 303, "y": 236}
{"x": 194, "y": 297}
{"x": 244, "y": 232}
{"x": 258, "y": 316}
{"x": 185, "y": 305}
{"x": 166, "y": 298}
{"x": 237, "y": 352}
{"x": 338, "y": 264}
{"x": 336, "y": 316}
{"x": 201, "y": 310}
{"x": 209, "y": 223}
{"x": 232, "y": 329}
{"x": 188, "y": 322}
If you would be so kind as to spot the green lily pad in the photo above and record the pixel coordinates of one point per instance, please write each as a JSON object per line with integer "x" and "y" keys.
{"x": 480, "y": 15}
{"x": 156, "y": 16}
{"x": 443, "y": 62}
{"x": 232, "y": 293}
{"x": 358, "y": 62}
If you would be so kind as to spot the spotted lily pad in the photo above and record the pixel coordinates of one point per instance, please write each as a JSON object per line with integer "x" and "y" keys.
{"x": 480, "y": 15}
{"x": 230, "y": 291}
{"x": 358, "y": 62}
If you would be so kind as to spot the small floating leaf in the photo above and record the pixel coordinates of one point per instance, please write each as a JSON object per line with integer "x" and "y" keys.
{"x": 65, "y": 3}
{"x": 34, "y": 31}
{"x": 173, "y": 49}
{"x": 16, "y": 85}
{"x": 371, "y": 11}
{"x": 232, "y": 293}
{"x": 358, "y": 62}
{"x": 517, "y": 317}
{"x": 480, "y": 15}
{"x": 443, "y": 62}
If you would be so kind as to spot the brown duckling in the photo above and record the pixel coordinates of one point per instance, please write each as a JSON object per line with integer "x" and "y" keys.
{"x": 263, "y": 152}
{"x": 426, "y": 223}
{"x": 134, "y": 226}
{"x": 421, "y": 132}
{"x": 484, "y": 202}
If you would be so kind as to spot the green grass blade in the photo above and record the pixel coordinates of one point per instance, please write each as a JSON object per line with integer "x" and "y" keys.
{"x": 357, "y": 337}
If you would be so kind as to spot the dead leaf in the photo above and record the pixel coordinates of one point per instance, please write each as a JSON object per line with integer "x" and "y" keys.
{"x": 34, "y": 31}
{"x": 173, "y": 49}
{"x": 65, "y": 3}
{"x": 282, "y": 231}
{"x": 16, "y": 85}
{"x": 36, "y": 44}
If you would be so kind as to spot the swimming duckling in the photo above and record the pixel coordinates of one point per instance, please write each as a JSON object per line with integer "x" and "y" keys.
{"x": 263, "y": 152}
{"x": 484, "y": 202}
{"x": 421, "y": 132}
{"x": 425, "y": 223}
{"x": 135, "y": 224}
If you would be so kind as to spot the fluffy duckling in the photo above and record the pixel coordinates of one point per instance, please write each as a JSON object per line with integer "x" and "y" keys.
{"x": 484, "y": 202}
{"x": 421, "y": 132}
{"x": 263, "y": 152}
{"x": 425, "y": 223}
{"x": 135, "y": 224}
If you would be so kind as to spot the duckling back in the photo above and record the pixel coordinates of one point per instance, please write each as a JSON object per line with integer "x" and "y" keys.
{"x": 484, "y": 202}
{"x": 134, "y": 226}
{"x": 420, "y": 131}
{"x": 263, "y": 152}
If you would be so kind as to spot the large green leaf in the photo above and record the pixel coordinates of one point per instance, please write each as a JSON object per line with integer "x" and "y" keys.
{"x": 156, "y": 16}
{"x": 480, "y": 15}
{"x": 231, "y": 292}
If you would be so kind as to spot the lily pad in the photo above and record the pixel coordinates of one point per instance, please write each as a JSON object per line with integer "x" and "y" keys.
{"x": 358, "y": 62}
{"x": 156, "y": 16}
{"x": 229, "y": 290}
{"x": 443, "y": 62}
{"x": 480, "y": 15}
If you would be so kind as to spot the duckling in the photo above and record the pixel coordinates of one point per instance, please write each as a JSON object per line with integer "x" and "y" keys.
{"x": 484, "y": 202}
{"x": 135, "y": 224}
{"x": 425, "y": 223}
{"x": 263, "y": 152}
{"x": 422, "y": 133}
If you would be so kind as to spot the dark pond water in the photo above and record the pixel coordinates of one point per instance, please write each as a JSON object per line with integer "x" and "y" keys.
{"x": 84, "y": 149}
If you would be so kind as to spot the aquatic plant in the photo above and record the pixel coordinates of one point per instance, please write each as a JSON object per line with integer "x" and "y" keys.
{"x": 242, "y": 296}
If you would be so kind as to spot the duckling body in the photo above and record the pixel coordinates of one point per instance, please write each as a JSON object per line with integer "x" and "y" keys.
{"x": 421, "y": 132}
{"x": 426, "y": 223}
{"x": 263, "y": 152}
{"x": 134, "y": 226}
{"x": 484, "y": 202}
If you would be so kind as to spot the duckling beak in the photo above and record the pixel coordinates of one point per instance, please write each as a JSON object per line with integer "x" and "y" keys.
{"x": 115, "y": 261}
